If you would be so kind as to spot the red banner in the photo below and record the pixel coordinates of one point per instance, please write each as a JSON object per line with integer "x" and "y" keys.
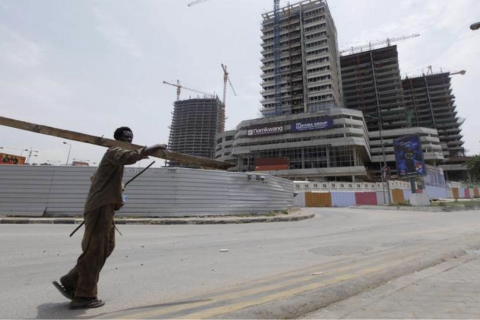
{"x": 10, "y": 159}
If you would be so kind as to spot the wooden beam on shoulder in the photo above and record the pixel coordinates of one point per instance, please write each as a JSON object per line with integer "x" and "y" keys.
{"x": 104, "y": 142}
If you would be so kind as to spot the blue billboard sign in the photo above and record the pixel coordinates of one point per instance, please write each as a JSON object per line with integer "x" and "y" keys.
{"x": 309, "y": 125}
{"x": 409, "y": 156}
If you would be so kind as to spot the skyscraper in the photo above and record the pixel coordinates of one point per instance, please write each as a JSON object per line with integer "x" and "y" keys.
{"x": 431, "y": 103}
{"x": 195, "y": 124}
{"x": 373, "y": 85}
{"x": 309, "y": 60}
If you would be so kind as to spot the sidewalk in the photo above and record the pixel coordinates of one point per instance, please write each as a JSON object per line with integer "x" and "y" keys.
{"x": 449, "y": 290}
{"x": 292, "y": 216}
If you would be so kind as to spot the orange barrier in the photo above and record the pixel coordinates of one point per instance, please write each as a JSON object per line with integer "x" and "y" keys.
{"x": 398, "y": 196}
{"x": 456, "y": 194}
{"x": 314, "y": 199}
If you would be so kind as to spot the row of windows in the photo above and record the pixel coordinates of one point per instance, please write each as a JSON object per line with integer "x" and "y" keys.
{"x": 313, "y": 138}
{"x": 284, "y": 95}
{"x": 320, "y": 88}
{"x": 286, "y": 85}
{"x": 315, "y": 70}
{"x": 321, "y": 98}
{"x": 315, "y": 27}
{"x": 307, "y": 21}
{"x": 283, "y": 36}
{"x": 315, "y": 52}
{"x": 322, "y": 78}
{"x": 320, "y": 60}
{"x": 316, "y": 35}
{"x": 316, "y": 44}
{"x": 285, "y": 77}
{"x": 314, "y": 12}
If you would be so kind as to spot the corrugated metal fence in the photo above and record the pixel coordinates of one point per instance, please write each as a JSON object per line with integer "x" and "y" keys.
{"x": 159, "y": 192}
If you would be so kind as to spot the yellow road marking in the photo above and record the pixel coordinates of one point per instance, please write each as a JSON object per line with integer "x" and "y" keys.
{"x": 246, "y": 292}
{"x": 283, "y": 294}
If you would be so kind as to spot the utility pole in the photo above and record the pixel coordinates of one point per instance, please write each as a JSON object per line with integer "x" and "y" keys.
{"x": 30, "y": 151}
{"x": 384, "y": 169}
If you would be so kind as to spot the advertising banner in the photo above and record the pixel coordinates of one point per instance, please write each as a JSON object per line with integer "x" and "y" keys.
{"x": 10, "y": 159}
{"x": 409, "y": 156}
{"x": 263, "y": 131}
{"x": 309, "y": 125}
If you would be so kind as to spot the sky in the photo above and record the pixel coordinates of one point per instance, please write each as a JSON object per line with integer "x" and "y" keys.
{"x": 92, "y": 66}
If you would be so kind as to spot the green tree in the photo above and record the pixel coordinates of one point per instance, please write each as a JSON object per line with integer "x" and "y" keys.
{"x": 473, "y": 167}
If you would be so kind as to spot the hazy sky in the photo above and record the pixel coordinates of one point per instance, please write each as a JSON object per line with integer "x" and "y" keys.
{"x": 91, "y": 66}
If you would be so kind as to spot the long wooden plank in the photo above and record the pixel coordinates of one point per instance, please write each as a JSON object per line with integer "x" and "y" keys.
{"x": 104, "y": 142}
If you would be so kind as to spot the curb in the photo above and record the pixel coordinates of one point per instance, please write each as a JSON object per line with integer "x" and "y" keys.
{"x": 424, "y": 209}
{"x": 164, "y": 221}
{"x": 306, "y": 303}
{"x": 344, "y": 308}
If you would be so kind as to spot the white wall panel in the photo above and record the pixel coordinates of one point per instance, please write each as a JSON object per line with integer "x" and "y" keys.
{"x": 174, "y": 192}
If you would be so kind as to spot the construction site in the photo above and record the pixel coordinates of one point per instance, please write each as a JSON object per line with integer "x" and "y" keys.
{"x": 328, "y": 115}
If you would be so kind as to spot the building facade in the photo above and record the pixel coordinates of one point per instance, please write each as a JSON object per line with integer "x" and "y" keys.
{"x": 195, "y": 124}
{"x": 381, "y": 147}
{"x": 328, "y": 145}
{"x": 373, "y": 85}
{"x": 430, "y": 103}
{"x": 396, "y": 107}
{"x": 309, "y": 60}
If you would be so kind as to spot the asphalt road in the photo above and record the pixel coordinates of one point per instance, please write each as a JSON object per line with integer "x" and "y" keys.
{"x": 180, "y": 271}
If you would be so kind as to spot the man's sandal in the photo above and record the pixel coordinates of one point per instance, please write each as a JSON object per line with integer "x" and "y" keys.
{"x": 85, "y": 303}
{"x": 67, "y": 292}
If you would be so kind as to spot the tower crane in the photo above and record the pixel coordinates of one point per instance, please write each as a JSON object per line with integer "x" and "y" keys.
{"x": 180, "y": 87}
{"x": 387, "y": 41}
{"x": 226, "y": 79}
{"x": 452, "y": 73}
{"x": 195, "y": 2}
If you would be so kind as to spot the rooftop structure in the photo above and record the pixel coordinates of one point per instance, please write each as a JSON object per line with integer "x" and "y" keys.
{"x": 309, "y": 62}
{"x": 195, "y": 124}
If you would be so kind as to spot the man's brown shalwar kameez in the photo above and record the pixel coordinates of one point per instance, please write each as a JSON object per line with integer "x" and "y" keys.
{"x": 98, "y": 242}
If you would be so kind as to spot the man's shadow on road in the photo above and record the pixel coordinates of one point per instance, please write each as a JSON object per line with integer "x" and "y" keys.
{"x": 57, "y": 311}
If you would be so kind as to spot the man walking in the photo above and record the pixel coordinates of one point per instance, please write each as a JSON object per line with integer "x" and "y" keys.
{"x": 104, "y": 198}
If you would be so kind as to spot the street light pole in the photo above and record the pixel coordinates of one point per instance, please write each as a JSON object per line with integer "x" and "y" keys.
{"x": 69, "y": 149}
{"x": 21, "y": 153}
{"x": 30, "y": 153}
{"x": 382, "y": 170}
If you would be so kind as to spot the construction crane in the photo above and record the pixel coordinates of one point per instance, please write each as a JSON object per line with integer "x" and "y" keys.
{"x": 387, "y": 41}
{"x": 195, "y": 2}
{"x": 180, "y": 87}
{"x": 276, "y": 54}
{"x": 226, "y": 79}
{"x": 452, "y": 73}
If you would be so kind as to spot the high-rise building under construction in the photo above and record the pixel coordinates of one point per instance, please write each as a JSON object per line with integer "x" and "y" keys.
{"x": 309, "y": 66}
{"x": 430, "y": 103}
{"x": 195, "y": 123}
{"x": 373, "y": 85}
{"x": 394, "y": 107}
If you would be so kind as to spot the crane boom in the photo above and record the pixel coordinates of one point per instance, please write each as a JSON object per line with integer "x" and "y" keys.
{"x": 387, "y": 41}
{"x": 180, "y": 87}
{"x": 195, "y": 2}
{"x": 226, "y": 79}
{"x": 276, "y": 53}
